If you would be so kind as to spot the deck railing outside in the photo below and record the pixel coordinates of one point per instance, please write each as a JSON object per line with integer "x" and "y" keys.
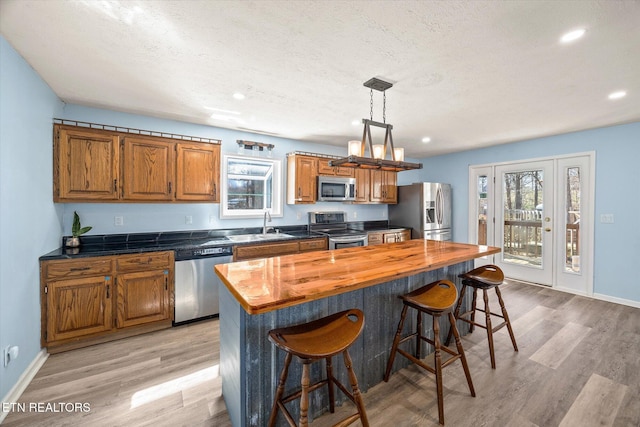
{"x": 523, "y": 236}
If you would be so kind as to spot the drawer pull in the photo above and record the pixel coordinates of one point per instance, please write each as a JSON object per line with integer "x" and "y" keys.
{"x": 79, "y": 268}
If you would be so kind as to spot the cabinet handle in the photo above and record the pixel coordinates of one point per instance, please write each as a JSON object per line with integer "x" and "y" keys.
{"x": 107, "y": 290}
{"x": 80, "y": 268}
{"x": 215, "y": 190}
{"x": 166, "y": 283}
{"x": 169, "y": 187}
{"x": 115, "y": 185}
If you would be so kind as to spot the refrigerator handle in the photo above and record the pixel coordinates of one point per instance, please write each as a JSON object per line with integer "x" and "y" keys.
{"x": 439, "y": 205}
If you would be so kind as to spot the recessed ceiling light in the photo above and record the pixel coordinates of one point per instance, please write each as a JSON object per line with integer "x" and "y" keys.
{"x": 238, "y": 95}
{"x": 573, "y": 35}
{"x": 617, "y": 95}
{"x": 426, "y": 139}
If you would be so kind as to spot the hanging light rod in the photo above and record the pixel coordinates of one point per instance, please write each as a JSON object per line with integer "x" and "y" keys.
{"x": 376, "y": 159}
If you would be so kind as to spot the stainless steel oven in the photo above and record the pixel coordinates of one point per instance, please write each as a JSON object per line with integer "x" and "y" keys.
{"x": 334, "y": 226}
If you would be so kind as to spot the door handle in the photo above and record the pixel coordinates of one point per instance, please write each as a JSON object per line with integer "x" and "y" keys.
{"x": 547, "y": 229}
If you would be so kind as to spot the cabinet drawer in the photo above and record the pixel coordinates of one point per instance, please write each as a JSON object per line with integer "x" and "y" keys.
{"x": 375, "y": 238}
{"x": 264, "y": 251}
{"x": 144, "y": 261}
{"x": 62, "y": 269}
{"x": 313, "y": 245}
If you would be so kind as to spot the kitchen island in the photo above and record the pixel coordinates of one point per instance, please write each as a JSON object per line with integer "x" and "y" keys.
{"x": 264, "y": 294}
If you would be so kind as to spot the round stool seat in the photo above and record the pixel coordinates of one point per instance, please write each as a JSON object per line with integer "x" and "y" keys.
{"x": 438, "y": 296}
{"x": 320, "y": 338}
{"x": 484, "y": 276}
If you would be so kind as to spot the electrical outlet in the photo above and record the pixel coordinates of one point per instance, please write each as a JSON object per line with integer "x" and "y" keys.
{"x": 188, "y": 220}
{"x": 299, "y": 215}
{"x": 118, "y": 220}
{"x": 355, "y": 215}
{"x": 606, "y": 218}
{"x": 212, "y": 219}
{"x": 10, "y": 353}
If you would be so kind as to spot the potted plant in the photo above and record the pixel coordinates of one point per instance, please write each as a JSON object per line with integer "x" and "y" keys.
{"x": 76, "y": 231}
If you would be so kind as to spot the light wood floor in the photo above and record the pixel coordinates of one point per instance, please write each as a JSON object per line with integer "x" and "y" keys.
{"x": 578, "y": 365}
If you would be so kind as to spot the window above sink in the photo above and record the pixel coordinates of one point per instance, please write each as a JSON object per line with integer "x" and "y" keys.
{"x": 250, "y": 186}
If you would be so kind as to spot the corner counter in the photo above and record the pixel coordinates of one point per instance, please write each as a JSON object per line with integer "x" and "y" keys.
{"x": 264, "y": 294}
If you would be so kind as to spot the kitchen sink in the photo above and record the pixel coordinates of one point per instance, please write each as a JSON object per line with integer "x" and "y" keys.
{"x": 258, "y": 237}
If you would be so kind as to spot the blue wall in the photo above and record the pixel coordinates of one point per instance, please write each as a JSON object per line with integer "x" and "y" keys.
{"x": 29, "y": 222}
{"x": 617, "y": 148}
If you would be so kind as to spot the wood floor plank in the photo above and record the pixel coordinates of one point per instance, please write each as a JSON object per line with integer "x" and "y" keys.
{"x": 558, "y": 348}
{"x": 597, "y": 403}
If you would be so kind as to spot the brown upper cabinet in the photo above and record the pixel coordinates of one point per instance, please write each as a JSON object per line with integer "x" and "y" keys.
{"x": 383, "y": 186}
{"x": 301, "y": 179}
{"x": 325, "y": 169}
{"x": 86, "y": 164}
{"x": 94, "y": 165}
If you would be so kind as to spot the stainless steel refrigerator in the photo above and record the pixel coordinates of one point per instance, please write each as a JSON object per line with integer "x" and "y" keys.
{"x": 426, "y": 208}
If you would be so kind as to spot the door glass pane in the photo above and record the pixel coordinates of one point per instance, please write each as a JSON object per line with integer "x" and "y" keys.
{"x": 522, "y": 241}
{"x": 482, "y": 209}
{"x": 572, "y": 235}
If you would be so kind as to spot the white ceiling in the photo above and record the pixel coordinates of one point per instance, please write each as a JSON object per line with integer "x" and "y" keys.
{"x": 465, "y": 73}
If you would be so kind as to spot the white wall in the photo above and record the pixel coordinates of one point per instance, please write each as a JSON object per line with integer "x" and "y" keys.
{"x": 617, "y": 245}
{"x": 30, "y": 224}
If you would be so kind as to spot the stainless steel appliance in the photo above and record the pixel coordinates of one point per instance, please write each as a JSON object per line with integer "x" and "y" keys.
{"x": 336, "y": 189}
{"x": 335, "y": 227}
{"x": 426, "y": 208}
{"x": 196, "y": 289}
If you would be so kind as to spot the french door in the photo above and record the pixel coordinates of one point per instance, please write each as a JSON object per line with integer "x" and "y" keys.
{"x": 524, "y": 226}
{"x": 540, "y": 214}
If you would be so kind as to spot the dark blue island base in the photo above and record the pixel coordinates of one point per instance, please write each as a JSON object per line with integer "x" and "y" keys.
{"x": 250, "y": 364}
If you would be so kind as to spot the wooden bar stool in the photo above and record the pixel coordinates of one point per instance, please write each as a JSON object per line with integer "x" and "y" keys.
{"x": 485, "y": 278}
{"x": 319, "y": 339}
{"x": 436, "y": 299}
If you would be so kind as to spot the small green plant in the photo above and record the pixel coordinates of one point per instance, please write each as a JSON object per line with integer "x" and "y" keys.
{"x": 76, "y": 228}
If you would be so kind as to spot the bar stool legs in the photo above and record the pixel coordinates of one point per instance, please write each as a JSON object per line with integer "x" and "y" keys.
{"x": 484, "y": 278}
{"x": 310, "y": 342}
{"x": 435, "y": 299}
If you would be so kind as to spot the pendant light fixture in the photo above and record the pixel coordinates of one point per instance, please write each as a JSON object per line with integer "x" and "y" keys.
{"x": 377, "y": 152}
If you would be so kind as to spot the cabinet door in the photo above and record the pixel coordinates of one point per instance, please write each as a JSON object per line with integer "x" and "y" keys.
{"x": 391, "y": 238}
{"x": 362, "y": 185}
{"x": 143, "y": 297}
{"x": 197, "y": 171}
{"x": 86, "y": 165}
{"x": 303, "y": 187}
{"x": 265, "y": 250}
{"x": 383, "y": 186}
{"x": 324, "y": 168}
{"x": 79, "y": 307}
{"x": 390, "y": 180}
{"x": 148, "y": 169}
{"x": 376, "y": 186}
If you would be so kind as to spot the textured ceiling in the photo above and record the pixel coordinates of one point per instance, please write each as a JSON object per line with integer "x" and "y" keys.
{"x": 465, "y": 73}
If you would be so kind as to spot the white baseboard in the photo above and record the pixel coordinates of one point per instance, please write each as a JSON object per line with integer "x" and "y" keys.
{"x": 616, "y": 300}
{"x": 24, "y": 380}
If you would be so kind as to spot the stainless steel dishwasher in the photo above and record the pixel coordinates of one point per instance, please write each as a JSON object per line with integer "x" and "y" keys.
{"x": 196, "y": 284}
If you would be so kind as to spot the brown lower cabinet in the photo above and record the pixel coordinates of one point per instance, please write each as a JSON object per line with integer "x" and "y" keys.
{"x": 96, "y": 299}
{"x": 380, "y": 237}
{"x": 265, "y": 250}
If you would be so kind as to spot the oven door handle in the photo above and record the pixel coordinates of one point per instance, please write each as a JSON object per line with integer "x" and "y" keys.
{"x": 348, "y": 239}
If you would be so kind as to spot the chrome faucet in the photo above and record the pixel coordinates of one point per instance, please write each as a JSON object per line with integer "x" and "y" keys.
{"x": 264, "y": 223}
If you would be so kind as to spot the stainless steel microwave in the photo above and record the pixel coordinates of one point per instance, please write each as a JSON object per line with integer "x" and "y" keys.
{"x": 336, "y": 189}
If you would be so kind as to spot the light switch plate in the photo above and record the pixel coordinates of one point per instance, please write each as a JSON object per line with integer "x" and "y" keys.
{"x": 118, "y": 220}
{"x": 606, "y": 218}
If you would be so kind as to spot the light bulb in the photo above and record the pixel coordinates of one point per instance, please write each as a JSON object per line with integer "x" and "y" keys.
{"x": 354, "y": 148}
{"x": 378, "y": 151}
{"x": 399, "y": 154}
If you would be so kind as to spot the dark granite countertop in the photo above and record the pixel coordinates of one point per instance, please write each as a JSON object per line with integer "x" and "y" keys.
{"x": 118, "y": 244}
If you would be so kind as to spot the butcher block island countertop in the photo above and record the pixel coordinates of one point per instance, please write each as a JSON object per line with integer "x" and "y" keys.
{"x": 264, "y": 285}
